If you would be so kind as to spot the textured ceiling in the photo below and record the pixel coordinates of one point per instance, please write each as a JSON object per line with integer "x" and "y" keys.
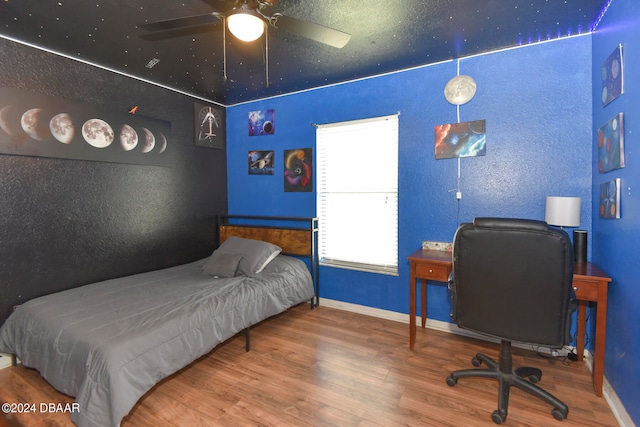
{"x": 386, "y": 36}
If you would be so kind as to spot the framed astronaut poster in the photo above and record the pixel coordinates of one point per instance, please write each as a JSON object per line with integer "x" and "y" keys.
{"x": 209, "y": 126}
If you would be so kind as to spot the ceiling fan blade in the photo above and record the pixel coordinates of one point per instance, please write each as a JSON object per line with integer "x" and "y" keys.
{"x": 184, "y": 22}
{"x": 312, "y": 31}
{"x": 222, "y": 6}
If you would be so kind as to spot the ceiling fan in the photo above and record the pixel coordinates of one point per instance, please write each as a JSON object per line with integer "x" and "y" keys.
{"x": 247, "y": 20}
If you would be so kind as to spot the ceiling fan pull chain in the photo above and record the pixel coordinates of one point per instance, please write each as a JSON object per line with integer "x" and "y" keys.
{"x": 266, "y": 54}
{"x": 224, "y": 49}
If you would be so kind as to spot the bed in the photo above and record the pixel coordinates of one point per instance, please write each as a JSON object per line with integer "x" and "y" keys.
{"x": 108, "y": 343}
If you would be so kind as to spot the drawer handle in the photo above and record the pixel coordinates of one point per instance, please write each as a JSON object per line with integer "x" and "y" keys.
{"x": 430, "y": 271}
{"x": 575, "y": 289}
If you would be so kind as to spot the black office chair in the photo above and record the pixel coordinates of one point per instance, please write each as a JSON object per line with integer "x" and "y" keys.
{"x": 512, "y": 280}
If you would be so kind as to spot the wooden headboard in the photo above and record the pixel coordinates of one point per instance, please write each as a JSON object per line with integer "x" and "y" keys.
{"x": 292, "y": 241}
{"x": 297, "y": 236}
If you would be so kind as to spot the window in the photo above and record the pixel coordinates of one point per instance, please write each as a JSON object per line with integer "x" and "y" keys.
{"x": 357, "y": 194}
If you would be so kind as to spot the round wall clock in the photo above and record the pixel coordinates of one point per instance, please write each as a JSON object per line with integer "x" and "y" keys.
{"x": 460, "y": 89}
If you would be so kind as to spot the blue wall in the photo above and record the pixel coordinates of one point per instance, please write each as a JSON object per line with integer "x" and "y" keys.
{"x": 542, "y": 109}
{"x": 615, "y": 242}
{"x": 536, "y": 102}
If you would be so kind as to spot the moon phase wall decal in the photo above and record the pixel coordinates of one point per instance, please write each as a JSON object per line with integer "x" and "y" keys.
{"x": 38, "y": 125}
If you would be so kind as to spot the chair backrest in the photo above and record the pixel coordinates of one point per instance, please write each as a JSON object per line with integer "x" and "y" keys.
{"x": 512, "y": 279}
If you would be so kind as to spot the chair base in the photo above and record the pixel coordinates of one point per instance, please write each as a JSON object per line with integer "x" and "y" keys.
{"x": 522, "y": 378}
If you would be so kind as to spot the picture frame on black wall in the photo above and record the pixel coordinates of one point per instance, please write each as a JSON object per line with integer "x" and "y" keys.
{"x": 38, "y": 125}
{"x": 209, "y": 126}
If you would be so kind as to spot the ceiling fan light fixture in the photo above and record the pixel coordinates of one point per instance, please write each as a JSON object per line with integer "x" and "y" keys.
{"x": 245, "y": 24}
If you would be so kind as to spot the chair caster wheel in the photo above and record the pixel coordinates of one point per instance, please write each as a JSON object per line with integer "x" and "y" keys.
{"x": 558, "y": 414}
{"x": 497, "y": 418}
{"x": 451, "y": 381}
{"x": 476, "y": 362}
{"x": 534, "y": 379}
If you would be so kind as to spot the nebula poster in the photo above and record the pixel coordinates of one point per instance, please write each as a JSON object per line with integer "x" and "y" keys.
{"x": 467, "y": 139}
{"x": 37, "y": 125}
{"x": 298, "y": 171}
{"x": 262, "y": 122}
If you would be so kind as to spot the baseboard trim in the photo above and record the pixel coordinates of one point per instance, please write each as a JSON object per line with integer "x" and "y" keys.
{"x": 431, "y": 323}
{"x": 5, "y": 360}
{"x": 608, "y": 393}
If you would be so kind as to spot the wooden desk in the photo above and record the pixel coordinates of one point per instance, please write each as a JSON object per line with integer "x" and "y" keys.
{"x": 425, "y": 265}
{"x": 589, "y": 282}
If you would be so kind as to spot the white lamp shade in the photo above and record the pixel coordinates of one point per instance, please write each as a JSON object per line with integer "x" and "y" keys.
{"x": 562, "y": 211}
{"x": 246, "y": 27}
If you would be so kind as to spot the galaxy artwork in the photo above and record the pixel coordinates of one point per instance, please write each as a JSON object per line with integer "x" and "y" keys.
{"x": 37, "y": 125}
{"x": 467, "y": 139}
{"x": 261, "y": 162}
{"x": 298, "y": 171}
{"x": 262, "y": 122}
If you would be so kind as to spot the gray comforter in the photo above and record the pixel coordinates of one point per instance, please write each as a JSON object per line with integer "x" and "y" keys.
{"x": 108, "y": 343}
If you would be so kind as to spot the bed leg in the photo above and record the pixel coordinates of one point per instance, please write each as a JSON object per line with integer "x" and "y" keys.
{"x": 14, "y": 360}
{"x": 315, "y": 302}
{"x": 247, "y": 339}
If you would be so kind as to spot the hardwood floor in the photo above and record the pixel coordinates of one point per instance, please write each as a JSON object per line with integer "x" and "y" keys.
{"x": 326, "y": 367}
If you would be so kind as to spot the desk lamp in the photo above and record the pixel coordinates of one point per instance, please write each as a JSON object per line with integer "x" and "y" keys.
{"x": 565, "y": 212}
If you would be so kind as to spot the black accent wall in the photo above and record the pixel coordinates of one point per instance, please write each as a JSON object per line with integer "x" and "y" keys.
{"x": 66, "y": 223}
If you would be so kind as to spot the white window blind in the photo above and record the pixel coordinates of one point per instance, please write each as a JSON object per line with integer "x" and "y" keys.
{"x": 357, "y": 194}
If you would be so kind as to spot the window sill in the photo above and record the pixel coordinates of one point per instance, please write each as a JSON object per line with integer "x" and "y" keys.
{"x": 367, "y": 268}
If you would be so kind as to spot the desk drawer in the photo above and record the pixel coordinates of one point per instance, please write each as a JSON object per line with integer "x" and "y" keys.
{"x": 436, "y": 272}
{"x": 586, "y": 291}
